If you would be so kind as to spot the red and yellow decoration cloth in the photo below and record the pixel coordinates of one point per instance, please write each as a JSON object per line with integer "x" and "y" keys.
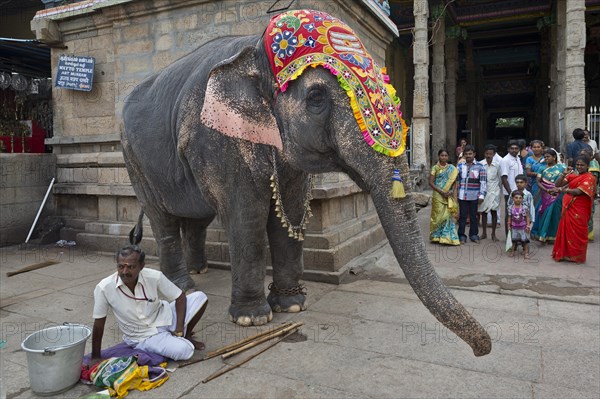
{"x": 298, "y": 39}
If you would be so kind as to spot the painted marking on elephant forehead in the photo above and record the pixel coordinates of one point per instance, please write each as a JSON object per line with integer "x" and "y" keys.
{"x": 220, "y": 116}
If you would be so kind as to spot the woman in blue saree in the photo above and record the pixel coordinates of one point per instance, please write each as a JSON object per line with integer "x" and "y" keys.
{"x": 549, "y": 207}
{"x": 534, "y": 164}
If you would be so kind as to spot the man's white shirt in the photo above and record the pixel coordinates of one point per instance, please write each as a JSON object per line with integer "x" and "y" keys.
{"x": 137, "y": 318}
{"x": 510, "y": 167}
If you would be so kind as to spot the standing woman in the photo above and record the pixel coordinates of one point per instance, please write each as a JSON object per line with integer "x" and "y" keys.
{"x": 444, "y": 203}
{"x": 549, "y": 207}
{"x": 534, "y": 164}
{"x": 594, "y": 169}
{"x": 579, "y": 191}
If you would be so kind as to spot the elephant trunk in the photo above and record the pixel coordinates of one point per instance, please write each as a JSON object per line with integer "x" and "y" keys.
{"x": 398, "y": 218}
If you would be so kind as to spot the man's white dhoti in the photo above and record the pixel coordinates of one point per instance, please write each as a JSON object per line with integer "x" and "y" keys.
{"x": 491, "y": 202}
{"x": 166, "y": 344}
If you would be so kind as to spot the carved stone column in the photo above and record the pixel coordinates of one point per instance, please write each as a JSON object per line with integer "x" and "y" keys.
{"x": 438, "y": 117}
{"x": 472, "y": 94}
{"x": 574, "y": 67}
{"x": 542, "y": 117}
{"x": 451, "y": 75}
{"x": 420, "y": 123}
{"x": 557, "y": 75}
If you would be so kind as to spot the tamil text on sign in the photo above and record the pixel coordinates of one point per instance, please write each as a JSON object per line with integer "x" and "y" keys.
{"x": 75, "y": 72}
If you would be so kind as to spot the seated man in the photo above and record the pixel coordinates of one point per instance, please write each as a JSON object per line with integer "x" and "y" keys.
{"x": 147, "y": 323}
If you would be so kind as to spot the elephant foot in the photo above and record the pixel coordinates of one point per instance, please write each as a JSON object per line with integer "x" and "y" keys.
{"x": 200, "y": 269}
{"x": 246, "y": 315}
{"x": 287, "y": 300}
{"x": 184, "y": 282}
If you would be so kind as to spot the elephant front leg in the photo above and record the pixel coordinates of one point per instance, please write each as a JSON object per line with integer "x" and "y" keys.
{"x": 247, "y": 252}
{"x": 285, "y": 293}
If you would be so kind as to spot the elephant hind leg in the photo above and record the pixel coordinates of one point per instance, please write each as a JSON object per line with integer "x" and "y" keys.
{"x": 285, "y": 293}
{"x": 193, "y": 234}
{"x": 166, "y": 229}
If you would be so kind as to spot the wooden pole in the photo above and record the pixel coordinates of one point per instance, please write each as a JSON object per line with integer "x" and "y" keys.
{"x": 235, "y": 345}
{"x": 261, "y": 340}
{"x": 244, "y": 341}
{"x": 32, "y": 267}
{"x": 246, "y": 360}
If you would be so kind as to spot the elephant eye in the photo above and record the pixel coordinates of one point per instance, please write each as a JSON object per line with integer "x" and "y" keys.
{"x": 315, "y": 97}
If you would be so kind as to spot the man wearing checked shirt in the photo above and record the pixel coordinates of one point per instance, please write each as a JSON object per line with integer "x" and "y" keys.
{"x": 471, "y": 192}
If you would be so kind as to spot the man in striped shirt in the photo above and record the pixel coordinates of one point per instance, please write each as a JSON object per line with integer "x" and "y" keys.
{"x": 471, "y": 192}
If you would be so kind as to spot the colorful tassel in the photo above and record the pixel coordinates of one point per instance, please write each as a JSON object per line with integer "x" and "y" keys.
{"x": 397, "y": 186}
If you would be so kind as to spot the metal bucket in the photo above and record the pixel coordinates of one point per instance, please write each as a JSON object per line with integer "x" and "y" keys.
{"x": 54, "y": 357}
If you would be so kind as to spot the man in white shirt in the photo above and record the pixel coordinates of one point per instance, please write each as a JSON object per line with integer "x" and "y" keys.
{"x": 587, "y": 139}
{"x": 510, "y": 167}
{"x": 147, "y": 323}
{"x": 491, "y": 202}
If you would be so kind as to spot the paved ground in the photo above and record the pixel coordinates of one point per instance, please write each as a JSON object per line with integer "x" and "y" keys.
{"x": 368, "y": 337}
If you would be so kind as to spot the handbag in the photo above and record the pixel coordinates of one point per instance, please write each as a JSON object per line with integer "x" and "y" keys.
{"x": 508, "y": 246}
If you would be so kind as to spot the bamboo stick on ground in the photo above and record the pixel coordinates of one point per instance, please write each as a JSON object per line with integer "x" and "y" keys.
{"x": 244, "y": 341}
{"x": 32, "y": 267}
{"x": 235, "y": 345}
{"x": 261, "y": 340}
{"x": 222, "y": 371}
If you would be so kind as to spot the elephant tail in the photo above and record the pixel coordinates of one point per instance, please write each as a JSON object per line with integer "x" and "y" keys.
{"x": 136, "y": 234}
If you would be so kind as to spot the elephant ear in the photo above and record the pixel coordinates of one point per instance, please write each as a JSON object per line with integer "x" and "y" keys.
{"x": 235, "y": 103}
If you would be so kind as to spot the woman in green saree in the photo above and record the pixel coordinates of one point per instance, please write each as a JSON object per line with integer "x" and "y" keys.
{"x": 444, "y": 204}
{"x": 548, "y": 210}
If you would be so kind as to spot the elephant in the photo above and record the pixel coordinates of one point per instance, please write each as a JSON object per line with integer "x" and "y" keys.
{"x": 214, "y": 133}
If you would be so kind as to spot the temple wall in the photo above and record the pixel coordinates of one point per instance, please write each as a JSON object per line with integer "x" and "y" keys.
{"x": 24, "y": 180}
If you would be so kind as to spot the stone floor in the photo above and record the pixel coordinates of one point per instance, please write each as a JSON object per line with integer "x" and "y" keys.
{"x": 368, "y": 337}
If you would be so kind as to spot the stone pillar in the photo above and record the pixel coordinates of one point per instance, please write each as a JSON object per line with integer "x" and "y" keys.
{"x": 542, "y": 116}
{"x": 451, "y": 74}
{"x": 557, "y": 73}
{"x": 438, "y": 117}
{"x": 574, "y": 67}
{"x": 472, "y": 94}
{"x": 420, "y": 124}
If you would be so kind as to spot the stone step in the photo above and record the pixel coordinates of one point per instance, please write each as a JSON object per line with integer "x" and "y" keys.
{"x": 69, "y": 233}
{"x": 104, "y": 243}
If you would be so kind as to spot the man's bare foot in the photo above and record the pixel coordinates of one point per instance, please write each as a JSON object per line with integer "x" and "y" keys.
{"x": 511, "y": 254}
{"x": 526, "y": 255}
{"x": 494, "y": 238}
{"x": 199, "y": 346}
{"x": 483, "y": 237}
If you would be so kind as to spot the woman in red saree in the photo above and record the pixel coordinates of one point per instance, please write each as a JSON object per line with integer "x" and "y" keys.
{"x": 579, "y": 192}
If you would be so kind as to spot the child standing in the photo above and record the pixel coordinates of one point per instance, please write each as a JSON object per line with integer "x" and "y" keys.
{"x": 521, "y": 182}
{"x": 519, "y": 223}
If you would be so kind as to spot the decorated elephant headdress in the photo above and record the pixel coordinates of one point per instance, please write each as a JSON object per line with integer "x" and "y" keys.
{"x": 294, "y": 41}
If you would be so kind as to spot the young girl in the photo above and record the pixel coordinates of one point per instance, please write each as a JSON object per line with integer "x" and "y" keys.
{"x": 519, "y": 224}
